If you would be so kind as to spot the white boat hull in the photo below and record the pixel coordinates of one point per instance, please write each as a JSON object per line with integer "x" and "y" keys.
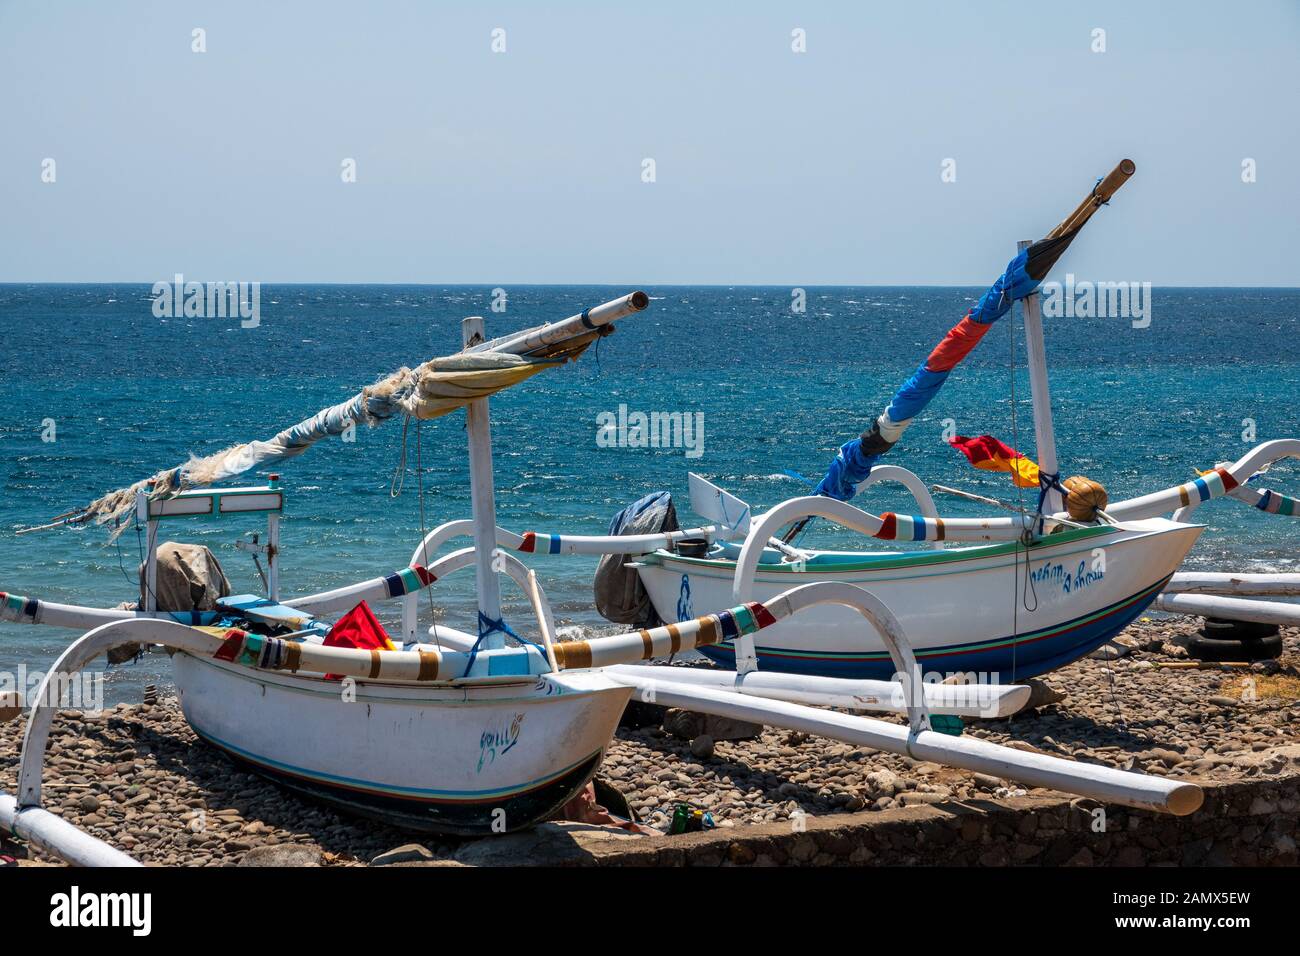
{"x": 465, "y": 760}
{"x": 964, "y": 609}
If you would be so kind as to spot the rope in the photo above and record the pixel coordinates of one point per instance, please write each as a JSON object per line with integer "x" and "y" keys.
{"x": 399, "y": 473}
{"x": 791, "y": 473}
{"x": 487, "y": 626}
{"x": 1047, "y": 483}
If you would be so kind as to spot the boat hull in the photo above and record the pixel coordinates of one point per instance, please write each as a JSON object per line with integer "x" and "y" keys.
{"x": 963, "y": 609}
{"x": 466, "y": 761}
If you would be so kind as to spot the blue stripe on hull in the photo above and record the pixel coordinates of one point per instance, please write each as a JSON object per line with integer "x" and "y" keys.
{"x": 1028, "y": 657}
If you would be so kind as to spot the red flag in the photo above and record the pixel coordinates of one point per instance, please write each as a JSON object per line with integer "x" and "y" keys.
{"x": 358, "y": 628}
{"x": 989, "y": 454}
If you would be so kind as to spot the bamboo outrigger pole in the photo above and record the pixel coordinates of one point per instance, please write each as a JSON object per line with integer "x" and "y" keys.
{"x": 1106, "y": 187}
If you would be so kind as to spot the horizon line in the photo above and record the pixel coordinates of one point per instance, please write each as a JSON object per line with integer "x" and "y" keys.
{"x": 612, "y": 285}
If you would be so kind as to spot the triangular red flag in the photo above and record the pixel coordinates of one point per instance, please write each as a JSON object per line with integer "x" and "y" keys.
{"x": 358, "y": 628}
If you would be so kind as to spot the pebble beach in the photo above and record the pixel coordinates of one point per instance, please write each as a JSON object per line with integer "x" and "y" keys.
{"x": 136, "y": 775}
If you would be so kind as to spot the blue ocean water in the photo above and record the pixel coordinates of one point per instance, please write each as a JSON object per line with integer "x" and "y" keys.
{"x": 129, "y": 393}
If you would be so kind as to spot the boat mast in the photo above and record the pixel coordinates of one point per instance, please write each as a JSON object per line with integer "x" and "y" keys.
{"x": 482, "y": 500}
{"x": 1044, "y": 432}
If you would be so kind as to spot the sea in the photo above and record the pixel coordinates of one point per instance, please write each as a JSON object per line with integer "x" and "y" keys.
{"x": 97, "y": 391}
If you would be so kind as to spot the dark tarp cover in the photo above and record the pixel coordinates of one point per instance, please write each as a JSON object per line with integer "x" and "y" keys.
{"x": 620, "y": 595}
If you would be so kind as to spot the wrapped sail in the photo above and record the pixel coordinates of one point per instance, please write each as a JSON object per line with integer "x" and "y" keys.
{"x": 1021, "y": 279}
{"x": 1023, "y": 275}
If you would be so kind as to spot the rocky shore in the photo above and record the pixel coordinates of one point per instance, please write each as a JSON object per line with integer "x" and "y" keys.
{"x": 137, "y": 776}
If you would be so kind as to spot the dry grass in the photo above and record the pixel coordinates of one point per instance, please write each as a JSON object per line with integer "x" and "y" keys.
{"x": 1277, "y": 686}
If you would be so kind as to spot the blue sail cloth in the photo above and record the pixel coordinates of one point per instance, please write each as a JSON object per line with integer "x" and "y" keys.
{"x": 917, "y": 391}
{"x": 852, "y": 465}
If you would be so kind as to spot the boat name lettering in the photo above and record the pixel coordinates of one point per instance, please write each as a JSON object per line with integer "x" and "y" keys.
{"x": 495, "y": 742}
{"x": 1080, "y": 578}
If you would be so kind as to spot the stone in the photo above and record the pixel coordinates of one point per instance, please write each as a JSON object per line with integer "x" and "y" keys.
{"x": 702, "y": 747}
{"x": 1082, "y": 858}
{"x": 995, "y": 856}
{"x": 687, "y": 725}
{"x": 544, "y": 845}
{"x": 408, "y": 853}
{"x": 1130, "y": 856}
{"x": 740, "y": 854}
{"x": 1167, "y": 757}
{"x": 89, "y": 803}
{"x": 1260, "y": 807}
{"x": 282, "y": 854}
{"x": 1041, "y": 694}
{"x": 913, "y": 798}
{"x": 804, "y": 849}
{"x": 883, "y": 782}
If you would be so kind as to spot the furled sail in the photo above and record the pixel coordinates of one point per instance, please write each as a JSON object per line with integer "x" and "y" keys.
{"x": 1022, "y": 278}
{"x": 436, "y": 388}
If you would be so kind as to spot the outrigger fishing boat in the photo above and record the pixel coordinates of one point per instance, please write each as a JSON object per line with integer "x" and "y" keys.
{"x": 1056, "y": 583}
{"x": 481, "y": 731}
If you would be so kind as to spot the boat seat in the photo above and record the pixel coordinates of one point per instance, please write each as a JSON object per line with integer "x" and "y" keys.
{"x": 265, "y": 611}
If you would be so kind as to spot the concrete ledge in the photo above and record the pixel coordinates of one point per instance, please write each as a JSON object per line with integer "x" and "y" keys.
{"x": 1245, "y": 823}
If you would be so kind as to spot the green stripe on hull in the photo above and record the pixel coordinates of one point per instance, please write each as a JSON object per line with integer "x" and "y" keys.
{"x": 834, "y": 564}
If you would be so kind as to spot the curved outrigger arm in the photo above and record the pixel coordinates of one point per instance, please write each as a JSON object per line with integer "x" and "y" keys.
{"x": 1222, "y": 480}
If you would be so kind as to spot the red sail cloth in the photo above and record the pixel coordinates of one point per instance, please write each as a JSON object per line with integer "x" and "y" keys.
{"x": 358, "y": 628}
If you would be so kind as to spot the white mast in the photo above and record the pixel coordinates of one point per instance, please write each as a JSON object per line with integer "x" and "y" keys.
{"x": 1044, "y": 433}
{"x": 482, "y": 497}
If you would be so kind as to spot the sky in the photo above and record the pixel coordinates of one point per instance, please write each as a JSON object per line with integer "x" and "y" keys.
{"x": 771, "y": 166}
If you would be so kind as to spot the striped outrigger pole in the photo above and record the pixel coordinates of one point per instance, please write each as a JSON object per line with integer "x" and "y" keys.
{"x": 408, "y": 580}
{"x": 662, "y": 641}
{"x": 535, "y": 543}
{"x": 1211, "y": 484}
{"x": 1276, "y": 504}
{"x": 896, "y": 527}
{"x": 278, "y": 654}
{"x": 16, "y": 607}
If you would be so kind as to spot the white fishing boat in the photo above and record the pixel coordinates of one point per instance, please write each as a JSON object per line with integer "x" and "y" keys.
{"x": 467, "y": 732}
{"x": 1007, "y": 610}
{"x": 1052, "y": 589}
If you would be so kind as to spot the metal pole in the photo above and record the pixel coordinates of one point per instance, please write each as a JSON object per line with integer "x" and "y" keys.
{"x": 273, "y": 547}
{"x": 1044, "y": 434}
{"x": 151, "y": 548}
{"x": 482, "y": 497}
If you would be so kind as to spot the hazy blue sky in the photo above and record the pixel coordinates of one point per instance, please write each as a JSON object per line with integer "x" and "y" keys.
{"x": 772, "y": 167}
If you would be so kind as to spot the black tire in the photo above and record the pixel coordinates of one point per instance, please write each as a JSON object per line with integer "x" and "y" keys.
{"x": 1266, "y": 648}
{"x": 1219, "y": 630}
